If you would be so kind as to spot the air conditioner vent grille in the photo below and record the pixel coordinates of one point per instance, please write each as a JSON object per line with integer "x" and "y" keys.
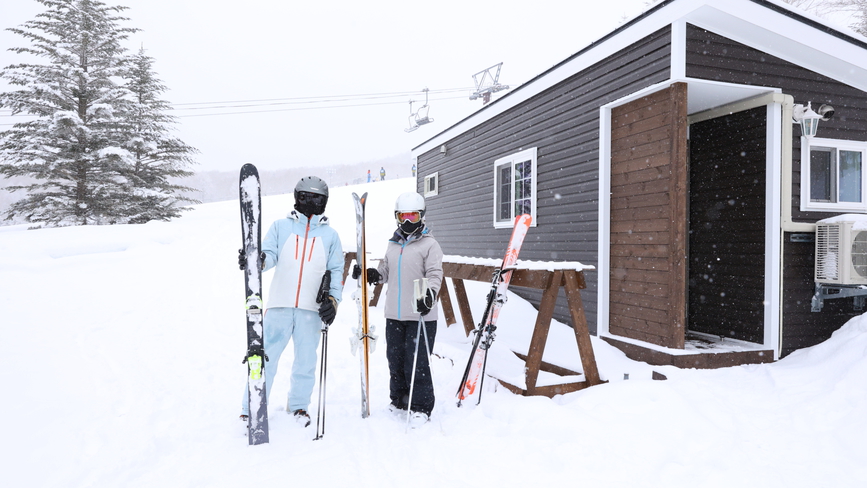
{"x": 827, "y": 252}
{"x": 859, "y": 253}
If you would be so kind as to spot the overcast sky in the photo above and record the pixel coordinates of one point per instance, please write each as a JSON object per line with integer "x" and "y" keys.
{"x": 369, "y": 58}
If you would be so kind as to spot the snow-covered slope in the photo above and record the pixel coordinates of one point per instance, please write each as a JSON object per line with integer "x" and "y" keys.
{"x": 120, "y": 361}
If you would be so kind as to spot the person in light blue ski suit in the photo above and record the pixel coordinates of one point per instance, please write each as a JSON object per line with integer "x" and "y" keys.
{"x": 300, "y": 248}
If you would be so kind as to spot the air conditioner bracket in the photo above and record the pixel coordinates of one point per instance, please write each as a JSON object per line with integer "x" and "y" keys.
{"x": 825, "y": 291}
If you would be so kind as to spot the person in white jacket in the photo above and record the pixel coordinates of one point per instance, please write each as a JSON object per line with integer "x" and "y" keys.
{"x": 300, "y": 248}
{"x": 412, "y": 253}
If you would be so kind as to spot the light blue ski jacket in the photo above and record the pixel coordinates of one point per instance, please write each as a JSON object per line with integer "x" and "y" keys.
{"x": 301, "y": 251}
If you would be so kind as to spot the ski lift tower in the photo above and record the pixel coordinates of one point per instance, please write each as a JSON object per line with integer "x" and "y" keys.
{"x": 417, "y": 119}
{"x": 488, "y": 82}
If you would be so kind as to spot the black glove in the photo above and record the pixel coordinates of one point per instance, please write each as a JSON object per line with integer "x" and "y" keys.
{"x": 328, "y": 310}
{"x": 373, "y": 276}
{"x": 426, "y": 303}
{"x": 242, "y": 259}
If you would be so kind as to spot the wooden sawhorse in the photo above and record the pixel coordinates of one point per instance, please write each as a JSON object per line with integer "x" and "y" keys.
{"x": 550, "y": 281}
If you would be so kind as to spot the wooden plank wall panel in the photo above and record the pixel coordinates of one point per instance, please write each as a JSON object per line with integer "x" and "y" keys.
{"x": 563, "y": 123}
{"x": 648, "y": 194}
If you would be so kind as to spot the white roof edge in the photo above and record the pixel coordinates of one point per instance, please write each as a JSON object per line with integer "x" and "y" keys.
{"x": 744, "y": 21}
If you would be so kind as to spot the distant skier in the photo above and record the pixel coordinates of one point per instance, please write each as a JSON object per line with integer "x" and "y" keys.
{"x": 412, "y": 253}
{"x": 301, "y": 248}
{"x": 413, "y": 171}
{"x": 382, "y": 173}
{"x": 368, "y": 176}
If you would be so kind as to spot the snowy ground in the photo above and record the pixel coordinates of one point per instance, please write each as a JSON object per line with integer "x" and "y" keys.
{"x": 120, "y": 358}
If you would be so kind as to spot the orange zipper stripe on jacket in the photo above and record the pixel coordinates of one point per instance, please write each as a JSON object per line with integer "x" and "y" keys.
{"x": 301, "y": 270}
{"x": 312, "y": 245}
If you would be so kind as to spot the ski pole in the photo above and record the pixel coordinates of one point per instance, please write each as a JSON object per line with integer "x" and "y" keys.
{"x": 323, "y": 369}
{"x": 414, "y": 363}
{"x": 420, "y": 290}
{"x": 321, "y": 296}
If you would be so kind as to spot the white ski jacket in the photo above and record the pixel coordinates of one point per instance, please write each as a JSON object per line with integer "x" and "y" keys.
{"x": 301, "y": 251}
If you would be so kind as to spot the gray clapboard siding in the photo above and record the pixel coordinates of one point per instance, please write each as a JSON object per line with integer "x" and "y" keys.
{"x": 563, "y": 124}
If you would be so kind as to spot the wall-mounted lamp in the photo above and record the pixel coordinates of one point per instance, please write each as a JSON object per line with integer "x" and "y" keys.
{"x": 443, "y": 149}
{"x": 809, "y": 119}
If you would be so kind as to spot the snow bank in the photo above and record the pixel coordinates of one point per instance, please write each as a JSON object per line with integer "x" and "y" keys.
{"x": 121, "y": 354}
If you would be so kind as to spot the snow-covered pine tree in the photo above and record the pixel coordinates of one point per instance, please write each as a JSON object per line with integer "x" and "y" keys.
{"x": 856, "y": 9}
{"x": 860, "y": 16}
{"x": 157, "y": 155}
{"x": 75, "y": 147}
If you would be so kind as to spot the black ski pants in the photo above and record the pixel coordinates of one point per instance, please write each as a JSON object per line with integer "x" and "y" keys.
{"x": 400, "y": 338}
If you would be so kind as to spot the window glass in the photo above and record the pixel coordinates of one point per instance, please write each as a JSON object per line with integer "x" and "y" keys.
{"x": 850, "y": 176}
{"x": 833, "y": 175}
{"x": 505, "y": 196}
{"x": 523, "y": 187}
{"x": 514, "y": 187}
{"x": 821, "y": 174}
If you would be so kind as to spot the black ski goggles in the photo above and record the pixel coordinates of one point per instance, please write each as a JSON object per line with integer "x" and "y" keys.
{"x": 305, "y": 197}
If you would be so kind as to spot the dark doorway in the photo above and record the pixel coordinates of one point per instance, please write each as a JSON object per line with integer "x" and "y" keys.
{"x": 727, "y": 226}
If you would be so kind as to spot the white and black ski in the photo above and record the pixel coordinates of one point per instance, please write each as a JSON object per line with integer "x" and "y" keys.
{"x": 477, "y": 362}
{"x": 251, "y": 232}
{"x": 363, "y": 338}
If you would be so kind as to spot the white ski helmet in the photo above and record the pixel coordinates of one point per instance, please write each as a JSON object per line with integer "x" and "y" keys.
{"x": 407, "y": 203}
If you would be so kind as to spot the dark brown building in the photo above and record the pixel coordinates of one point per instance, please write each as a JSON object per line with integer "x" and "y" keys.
{"x": 665, "y": 155}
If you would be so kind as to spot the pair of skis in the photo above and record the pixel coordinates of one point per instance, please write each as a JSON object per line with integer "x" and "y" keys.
{"x": 363, "y": 338}
{"x": 251, "y": 234}
{"x": 475, "y": 370}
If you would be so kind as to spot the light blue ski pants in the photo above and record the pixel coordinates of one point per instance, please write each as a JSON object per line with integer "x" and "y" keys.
{"x": 304, "y": 326}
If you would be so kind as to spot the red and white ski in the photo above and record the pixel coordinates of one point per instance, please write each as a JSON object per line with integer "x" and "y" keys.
{"x": 475, "y": 369}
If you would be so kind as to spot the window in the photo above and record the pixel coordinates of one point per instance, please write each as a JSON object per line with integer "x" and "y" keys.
{"x": 431, "y": 185}
{"x": 514, "y": 187}
{"x": 833, "y": 176}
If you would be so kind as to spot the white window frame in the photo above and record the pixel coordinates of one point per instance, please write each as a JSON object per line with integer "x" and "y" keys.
{"x": 527, "y": 155}
{"x": 436, "y": 179}
{"x": 806, "y": 203}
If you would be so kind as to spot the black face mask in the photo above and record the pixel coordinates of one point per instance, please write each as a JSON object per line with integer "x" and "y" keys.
{"x": 310, "y": 204}
{"x": 408, "y": 228}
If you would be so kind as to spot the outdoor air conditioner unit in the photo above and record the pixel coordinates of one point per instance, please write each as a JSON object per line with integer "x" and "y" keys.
{"x": 841, "y": 252}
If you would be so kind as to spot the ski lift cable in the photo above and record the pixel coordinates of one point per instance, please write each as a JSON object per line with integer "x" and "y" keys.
{"x": 299, "y": 102}
{"x": 293, "y": 109}
{"x": 278, "y": 110}
{"x": 324, "y": 97}
{"x": 309, "y": 108}
{"x": 289, "y": 101}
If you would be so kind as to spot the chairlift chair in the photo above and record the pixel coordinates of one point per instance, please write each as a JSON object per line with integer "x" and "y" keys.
{"x": 419, "y": 118}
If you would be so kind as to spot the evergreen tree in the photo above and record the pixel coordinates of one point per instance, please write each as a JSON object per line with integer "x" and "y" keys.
{"x": 99, "y": 148}
{"x": 157, "y": 156}
{"x": 856, "y": 8}
{"x": 860, "y": 14}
